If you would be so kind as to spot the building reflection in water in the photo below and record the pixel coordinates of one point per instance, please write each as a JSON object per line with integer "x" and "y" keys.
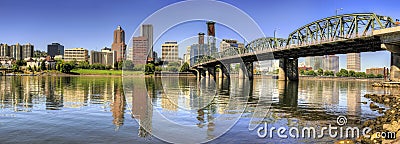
{"x": 354, "y": 99}
{"x": 118, "y": 105}
{"x": 53, "y": 93}
{"x": 142, "y": 109}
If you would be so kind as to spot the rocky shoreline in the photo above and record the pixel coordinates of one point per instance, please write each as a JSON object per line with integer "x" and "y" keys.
{"x": 389, "y": 122}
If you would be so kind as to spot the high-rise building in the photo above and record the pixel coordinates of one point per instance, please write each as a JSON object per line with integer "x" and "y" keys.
{"x": 27, "y": 51}
{"x": 331, "y": 63}
{"x": 16, "y": 51}
{"x": 170, "y": 51}
{"x": 211, "y": 40}
{"x": 315, "y": 62}
{"x": 78, "y": 54}
{"x": 198, "y": 50}
{"x": 106, "y": 57}
{"x": 226, "y": 44}
{"x": 375, "y": 71}
{"x": 4, "y": 50}
{"x": 118, "y": 44}
{"x": 139, "y": 50}
{"x": 54, "y": 49}
{"x": 147, "y": 32}
{"x": 353, "y": 62}
{"x": 186, "y": 57}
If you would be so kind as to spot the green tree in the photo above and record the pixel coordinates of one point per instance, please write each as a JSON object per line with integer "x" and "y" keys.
{"x": 128, "y": 64}
{"x": 15, "y": 68}
{"x": 43, "y": 65}
{"x": 328, "y": 73}
{"x": 320, "y": 71}
{"x": 184, "y": 67}
{"x": 74, "y": 62}
{"x": 379, "y": 76}
{"x": 21, "y": 63}
{"x": 149, "y": 68}
{"x": 342, "y": 73}
{"x": 370, "y": 76}
{"x": 30, "y": 68}
{"x": 352, "y": 73}
{"x": 34, "y": 68}
{"x": 67, "y": 67}
{"x": 302, "y": 72}
{"x": 311, "y": 73}
{"x": 360, "y": 74}
{"x": 237, "y": 67}
{"x": 84, "y": 65}
{"x": 120, "y": 64}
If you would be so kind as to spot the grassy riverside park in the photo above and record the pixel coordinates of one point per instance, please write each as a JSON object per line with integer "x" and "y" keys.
{"x": 101, "y": 72}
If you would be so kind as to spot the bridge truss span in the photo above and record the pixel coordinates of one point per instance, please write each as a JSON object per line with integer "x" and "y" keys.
{"x": 340, "y": 27}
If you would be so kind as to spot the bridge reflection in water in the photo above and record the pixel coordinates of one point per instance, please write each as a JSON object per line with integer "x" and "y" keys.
{"x": 305, "y": 101}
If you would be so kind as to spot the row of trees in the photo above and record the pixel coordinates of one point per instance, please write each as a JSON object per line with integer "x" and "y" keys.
{"x": 341, "y": 73}
{"x": 150, "y": 68}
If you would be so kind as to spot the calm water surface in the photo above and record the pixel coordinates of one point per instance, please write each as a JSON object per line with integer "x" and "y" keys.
{"x": 126, "y": 110}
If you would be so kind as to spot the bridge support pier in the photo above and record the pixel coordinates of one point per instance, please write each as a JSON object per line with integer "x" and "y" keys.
{"x": 249, "y": 68}
{"x": 223, "y": 71}
{"x": 220, "y": 73}
{"x": 288, "y": 69}
{"x": 201, "y": 73}
{"x": 395, "y": 67}
{"x": 394, "y": 61}
{"x": 211, "y": 72}
{"x": 282, "y": 69}
{"x": 241, "y": 72}
{"x": 226, "y": 70}
{"x": 246, "y": 70}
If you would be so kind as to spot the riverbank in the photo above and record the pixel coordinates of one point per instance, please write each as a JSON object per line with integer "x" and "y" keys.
{"x": 340, "y": 78}
{"x": 96, "y": 72}
{"x": 389, "y": 122}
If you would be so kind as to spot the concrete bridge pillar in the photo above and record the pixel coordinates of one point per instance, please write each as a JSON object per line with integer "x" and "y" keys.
{"x": 202, "y": 73}
{"x": 211, "y": 72}
{"x": 246, "y": 70}
{"x": 207, "y": 74}
{"x": 292, "y": 69}
{"x": 395, "y": 67}
{"x": 288, "y": 69}
{"x": 241, "y": 73}
{"x": 220, "y": 73}
{"x": 282, "y": 69}
{"x": 226, "y": 70}
{"x": 394, "y": 62}
{"x": 249, "y": 68}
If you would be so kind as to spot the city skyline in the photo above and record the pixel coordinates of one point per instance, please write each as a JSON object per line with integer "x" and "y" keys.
{"x": 89, "y": 26}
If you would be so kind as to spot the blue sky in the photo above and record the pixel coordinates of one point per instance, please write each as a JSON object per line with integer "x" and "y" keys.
{"x": 90, "y": 23}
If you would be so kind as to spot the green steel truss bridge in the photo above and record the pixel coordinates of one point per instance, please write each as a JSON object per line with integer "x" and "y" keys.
{"x": 341, "y": 34}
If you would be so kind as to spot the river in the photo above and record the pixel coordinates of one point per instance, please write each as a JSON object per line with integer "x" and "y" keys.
{"x": 50, "y": 109}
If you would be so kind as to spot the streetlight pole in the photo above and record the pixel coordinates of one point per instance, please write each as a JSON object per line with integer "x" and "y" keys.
{"x": 337, "y": 10}
{"x": 275, "y": 35}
